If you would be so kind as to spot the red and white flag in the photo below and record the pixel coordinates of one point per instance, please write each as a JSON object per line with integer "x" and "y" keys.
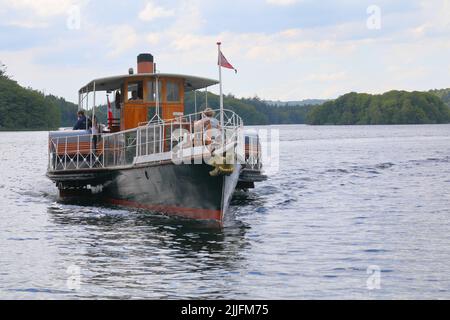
{"x": 223, "y": 62}
{"x": 110, "y": 114}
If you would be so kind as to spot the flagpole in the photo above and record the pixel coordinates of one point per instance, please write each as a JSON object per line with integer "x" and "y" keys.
{"x": 195, "y": 104}
{"x": 221, "y": 92}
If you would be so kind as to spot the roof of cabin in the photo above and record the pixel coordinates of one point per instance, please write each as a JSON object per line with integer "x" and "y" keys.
{"x": 114, "y": 83}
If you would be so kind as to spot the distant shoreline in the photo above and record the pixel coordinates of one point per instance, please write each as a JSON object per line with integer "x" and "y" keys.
{"x": 390, "y": 108}
{"x": 276, "y": 124}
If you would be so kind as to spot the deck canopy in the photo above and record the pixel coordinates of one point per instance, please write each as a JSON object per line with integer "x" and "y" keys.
{"x": 115, "y": 82}
{"x": 139, "y": 97}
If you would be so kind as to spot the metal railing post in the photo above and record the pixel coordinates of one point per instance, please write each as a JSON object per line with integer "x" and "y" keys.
{"x": 138, "y": 144}
{"x": 171, "y": 133}
{"x": 103, "y": 154}
{"x": 65, "y": 156}
{"x": 146, "y": 140}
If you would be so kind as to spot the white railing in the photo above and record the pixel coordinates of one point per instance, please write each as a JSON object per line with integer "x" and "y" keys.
{"x": 74, "y": 152}
{"x": 153, "y": 138}
{"x": 253, "y": 152}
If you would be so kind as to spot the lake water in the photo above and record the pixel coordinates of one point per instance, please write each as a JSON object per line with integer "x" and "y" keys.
{"x": 354, "y": 212}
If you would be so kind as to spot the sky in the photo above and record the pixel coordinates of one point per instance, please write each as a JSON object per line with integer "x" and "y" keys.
{"x": 283, "y": 49}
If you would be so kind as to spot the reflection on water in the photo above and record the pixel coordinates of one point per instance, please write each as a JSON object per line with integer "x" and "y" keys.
{"x": 346, "y": 200}
{"x": 134, "y": 248}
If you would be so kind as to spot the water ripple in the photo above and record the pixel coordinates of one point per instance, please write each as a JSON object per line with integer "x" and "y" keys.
{"x": 346, "y": 200}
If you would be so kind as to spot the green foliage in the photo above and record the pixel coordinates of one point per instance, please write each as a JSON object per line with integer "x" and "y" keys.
{"x": 101, "y": 112}
{"x": 444, "y": 94}
{"x": 28, "y": 109}
{"x": 3, "y": 70}
{"x": 25, "y": 109}
{"x": 67, "y": 109}
{"x": 253, "y": 111}
{"x": 393, "y": 107}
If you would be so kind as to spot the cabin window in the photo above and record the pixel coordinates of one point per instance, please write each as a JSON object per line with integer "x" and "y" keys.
{"x": 172, "y": 91}
{"x": 135, "y": 91}
{"x": 151, "y": 90}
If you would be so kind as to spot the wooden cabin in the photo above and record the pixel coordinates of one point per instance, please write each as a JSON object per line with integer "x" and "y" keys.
{"x": 137, "y": 97}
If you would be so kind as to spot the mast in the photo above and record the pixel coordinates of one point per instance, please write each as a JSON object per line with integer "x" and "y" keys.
{"x": 195, "y": 103}
{"x": 220, "y": 85}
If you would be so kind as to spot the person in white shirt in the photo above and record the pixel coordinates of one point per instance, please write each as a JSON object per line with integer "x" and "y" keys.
{"x": 205, "y": 127}
{"x": 96, "y": 131}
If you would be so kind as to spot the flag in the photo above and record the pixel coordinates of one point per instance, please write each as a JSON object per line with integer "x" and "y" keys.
{"x": 223, "y": 62}
{"x": 110, "y": 114}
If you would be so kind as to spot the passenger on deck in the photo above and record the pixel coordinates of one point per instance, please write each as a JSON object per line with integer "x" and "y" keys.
{"x": 208, "y": 120}
{"x": 96, "y": 131}
{"x": 81, "y": 122}
{"x": 134, "y": 95}
{"x": 118, "y": 99}
{"x": 206, "y": 123}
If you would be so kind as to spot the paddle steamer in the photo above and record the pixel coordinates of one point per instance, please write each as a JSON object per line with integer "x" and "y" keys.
{"x": 153, "y": 155}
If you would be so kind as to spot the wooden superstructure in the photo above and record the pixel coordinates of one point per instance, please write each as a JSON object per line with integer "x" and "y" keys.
{"x": 142, "y": 96}
{"x": 136, "y": 111}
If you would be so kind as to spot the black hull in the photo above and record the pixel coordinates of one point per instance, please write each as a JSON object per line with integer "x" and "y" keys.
{"x": 183, "y": 190}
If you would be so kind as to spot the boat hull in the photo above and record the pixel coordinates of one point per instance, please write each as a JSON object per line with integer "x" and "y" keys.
{"x": 186, "y": 190}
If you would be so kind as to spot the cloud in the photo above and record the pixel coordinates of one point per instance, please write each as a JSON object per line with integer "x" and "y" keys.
{"x": 316, "y": 54}
{"x": 152, "y": 12}
{"x": 27, "y": 23}
{"x": 282, "y": 2}
{"x": 435, "y": 20}
{"x": 42, "y": 8}
{"x": 326, "y": 77}
{"x": 290, "y": 33}
{"x": 51, "y": 79}
{"x": 123, "y": 38}
{"x": 153, "y": 38}
{"x": 189, "y": 18}
{"x": 37, "y": 14}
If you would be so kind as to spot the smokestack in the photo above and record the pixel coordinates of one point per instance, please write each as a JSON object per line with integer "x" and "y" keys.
{"x": 145, "y": 63}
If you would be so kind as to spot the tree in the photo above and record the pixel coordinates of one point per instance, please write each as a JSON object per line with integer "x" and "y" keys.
{"x": 393, "y": 107}
{"x": 25, "y": 109}
{"x": 3, "y": 70}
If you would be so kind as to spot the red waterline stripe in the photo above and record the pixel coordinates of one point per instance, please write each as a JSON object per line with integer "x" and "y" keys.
{"x": 193, "y": 213}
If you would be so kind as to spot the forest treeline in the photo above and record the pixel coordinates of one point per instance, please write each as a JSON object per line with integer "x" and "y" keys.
{"x": 443, "y": 94}
{"x": 253, "y": 111}
{"x": 393, "y": 107}
{"x": 27, "y": 109}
